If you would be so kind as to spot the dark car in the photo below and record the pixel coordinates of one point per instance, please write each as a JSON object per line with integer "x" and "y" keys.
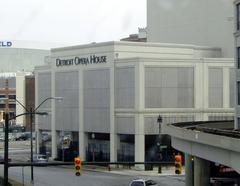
{"x": 22, "y": 137}
{"x": 25, "y": 136}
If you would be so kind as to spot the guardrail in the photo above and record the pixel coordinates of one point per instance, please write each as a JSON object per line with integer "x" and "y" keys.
{"x": 208, "y": 127}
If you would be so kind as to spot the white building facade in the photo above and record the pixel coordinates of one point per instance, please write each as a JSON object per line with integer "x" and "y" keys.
{"x": 115, "y": 91}
{"x": 205, "y": 23}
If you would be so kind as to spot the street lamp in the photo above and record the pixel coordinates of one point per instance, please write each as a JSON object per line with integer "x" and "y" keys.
{"x": 7, "y": 119}
{"x": 30, "y": 112}
{"x": 159, "y": 120}
{"x": 33, "y": 111}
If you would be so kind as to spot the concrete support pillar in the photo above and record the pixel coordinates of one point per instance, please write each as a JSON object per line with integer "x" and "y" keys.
{"x": 113, "y": 132}
{"x": 139, "y": 150}
{"x": 83, "y": 141}
{"x": 139, "y": 117}
{"x": 53, "y": 123}
{"x": 201, "y": 172}
{"x": 188, "y": 170}
{"x": 83, "y": 138}
{"x": 113, "y": 147}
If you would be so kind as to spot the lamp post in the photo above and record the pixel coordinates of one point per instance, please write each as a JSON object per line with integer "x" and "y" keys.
{"x": 7, "y": 119}
{"x": 159, "y": 120}
{"x": 30, "y": 112}
{"x": 6, "y": 151}
{"x": 33, "y": 111}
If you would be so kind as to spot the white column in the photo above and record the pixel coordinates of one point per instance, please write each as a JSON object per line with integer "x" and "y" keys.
{"x": 38, "y": 133}
{"x": 113, "y": 134}
{"x": 201, "y": 90}
{"x": 53, "y": 124}
{"x": 198, "y": 90}
{"x": 139, "y": 140}
{"x": 139, "y": 117}
{"x": 226, "y": 88}
{"x": 82, "y": 141}
{"x": 20, "y": 96}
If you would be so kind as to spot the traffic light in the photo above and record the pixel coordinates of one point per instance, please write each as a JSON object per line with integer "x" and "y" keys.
{"x": 178, "y": 164}
{"x": 78, "y": 166}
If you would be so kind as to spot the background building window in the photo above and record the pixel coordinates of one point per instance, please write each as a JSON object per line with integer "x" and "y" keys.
{"x": 12, "y": 106}
{"x": 2, "y": 106}
{"x": 12, "y": 96}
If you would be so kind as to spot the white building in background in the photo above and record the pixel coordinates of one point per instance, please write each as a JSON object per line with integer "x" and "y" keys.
{"x": 204, "y": 22}
{"x": 115, "y": 91}
{"x": 18, "y": 59}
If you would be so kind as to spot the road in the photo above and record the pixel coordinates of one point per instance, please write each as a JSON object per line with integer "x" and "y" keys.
{"x": 52, "y": 176}
{"x": 65, "y": 176}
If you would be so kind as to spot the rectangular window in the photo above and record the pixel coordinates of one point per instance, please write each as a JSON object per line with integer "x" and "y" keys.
{"x": 238, "y": 57}
{"x": 238, "y": 92}
{"x": 2, "y": 106}
{"x": 12, "y": 106}
{"x": 238, "y": 16}
{"x": 12, "y": 96}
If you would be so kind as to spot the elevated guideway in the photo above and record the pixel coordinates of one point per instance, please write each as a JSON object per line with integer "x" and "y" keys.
{"x": 214, "y": 141}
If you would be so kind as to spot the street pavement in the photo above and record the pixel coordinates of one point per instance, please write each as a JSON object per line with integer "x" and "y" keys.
{"x": 65, "y": 176}
{"x": 92, "y": 175}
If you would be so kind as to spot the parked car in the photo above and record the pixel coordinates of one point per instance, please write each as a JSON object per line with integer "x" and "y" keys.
{"x": 142, "y": 182}
{"x": 22, "y": 137}
{"x": 25, "y": 136}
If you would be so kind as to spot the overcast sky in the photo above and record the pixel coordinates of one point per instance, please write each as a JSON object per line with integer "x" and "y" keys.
{"x": 71, "y": 21}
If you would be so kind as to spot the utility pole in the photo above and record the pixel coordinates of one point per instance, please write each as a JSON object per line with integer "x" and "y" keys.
{"x": 6, "y": 151}
{"x": 31, "y": 145}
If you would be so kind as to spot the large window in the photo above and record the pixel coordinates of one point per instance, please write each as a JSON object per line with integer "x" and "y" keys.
{"x": 238, "y": 92}
{"x": 12, "y": 96}
{"x": 169, "y": 87}
{"x": 238, "y": 16}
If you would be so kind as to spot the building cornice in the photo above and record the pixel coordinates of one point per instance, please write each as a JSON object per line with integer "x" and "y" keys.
{"x": 139, "y": 44}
